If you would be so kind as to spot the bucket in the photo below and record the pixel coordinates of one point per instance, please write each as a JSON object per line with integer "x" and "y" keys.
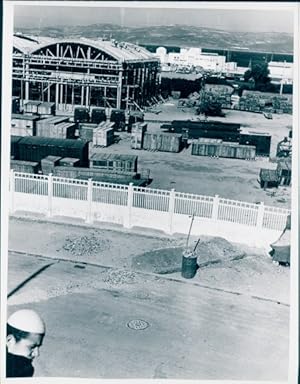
{"x": 189, "y": 265}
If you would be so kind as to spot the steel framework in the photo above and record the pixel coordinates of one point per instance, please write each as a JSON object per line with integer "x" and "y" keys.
{"x": 85, "y": 73}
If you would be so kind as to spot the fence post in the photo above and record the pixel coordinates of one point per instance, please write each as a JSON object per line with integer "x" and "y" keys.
{"x": 50, "y": 195}
{"x": 89, "y": 219}
{"x": 127, "y": 218}
{"x": 171, "y": 210}
{"x": 260, "y": 215}
{"x": 12, "y": 183}
{"x": 215, "y": 209}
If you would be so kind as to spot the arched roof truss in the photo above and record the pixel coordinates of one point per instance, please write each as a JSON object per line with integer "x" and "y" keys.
{"x": 74, "y": 50}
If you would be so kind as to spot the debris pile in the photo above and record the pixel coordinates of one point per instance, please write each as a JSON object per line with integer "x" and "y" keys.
{"x": 85, "y": 245}
{"x": 217, "y": 250}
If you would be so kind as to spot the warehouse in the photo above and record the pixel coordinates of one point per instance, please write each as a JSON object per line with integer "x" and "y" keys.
{"x": 69, "y": 72}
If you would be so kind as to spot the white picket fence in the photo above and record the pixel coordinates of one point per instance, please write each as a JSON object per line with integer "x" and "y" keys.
{"x": 130, "y": 206}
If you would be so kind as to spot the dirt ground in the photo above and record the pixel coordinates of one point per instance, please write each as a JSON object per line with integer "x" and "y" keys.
{"x": 229, "y": 178}
{"x": 242, "y": 269}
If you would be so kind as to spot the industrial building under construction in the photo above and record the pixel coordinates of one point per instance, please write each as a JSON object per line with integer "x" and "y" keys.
{"x": 70, "y": 72}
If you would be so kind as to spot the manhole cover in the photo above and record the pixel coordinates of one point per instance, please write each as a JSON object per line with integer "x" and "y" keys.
{"x": 137, "y": 325}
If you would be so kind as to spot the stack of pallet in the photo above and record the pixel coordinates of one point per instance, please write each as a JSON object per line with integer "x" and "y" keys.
{"x": 137, "y": 135}
{"x": 49, "y": 163}
{"x": 103, "y": 135}
{"x": 164, "y": 142}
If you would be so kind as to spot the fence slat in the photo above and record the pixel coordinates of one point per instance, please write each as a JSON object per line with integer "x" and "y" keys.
{"x": 156, "y": 199}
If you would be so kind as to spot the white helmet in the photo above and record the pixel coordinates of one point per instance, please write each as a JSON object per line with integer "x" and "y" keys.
{"x": 27, "y": 320}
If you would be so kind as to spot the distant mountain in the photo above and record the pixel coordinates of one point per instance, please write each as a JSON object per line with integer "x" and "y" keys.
{"x": 174, "y": 35}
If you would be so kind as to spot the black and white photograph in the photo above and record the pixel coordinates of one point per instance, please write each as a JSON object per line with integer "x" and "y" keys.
{"x": 149, "y": 172}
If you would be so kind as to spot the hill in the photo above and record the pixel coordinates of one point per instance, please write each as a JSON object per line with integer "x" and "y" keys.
{"x": 174, "y": 35}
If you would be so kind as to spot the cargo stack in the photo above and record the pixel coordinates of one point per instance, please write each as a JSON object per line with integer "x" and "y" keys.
{"x": 103, "y": 135}
{"x": 24, "y": 166}
{"x": 69, "y": 162}
{"x": 137, "y": 135}
{"x": 46, "y": 108}
{"x": 49, "y": 163}
{"x": 14, "y": 147}
{"x": 164, "y": 142}
{"x": 23, "y": 125}
{"x": 55, "y": 127}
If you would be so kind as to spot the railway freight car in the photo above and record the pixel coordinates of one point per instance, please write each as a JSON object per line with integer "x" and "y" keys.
{"x": 37, "y": 148}
{"x": 14, "y": 148}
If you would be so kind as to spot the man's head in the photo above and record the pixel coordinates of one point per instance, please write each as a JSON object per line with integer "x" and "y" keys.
{"x": 25, "y": 333}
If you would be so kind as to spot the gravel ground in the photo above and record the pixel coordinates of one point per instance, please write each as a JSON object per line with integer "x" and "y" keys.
{"x": 238, "y": 268}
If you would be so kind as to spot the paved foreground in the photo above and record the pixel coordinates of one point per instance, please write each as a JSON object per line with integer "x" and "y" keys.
{"x": 193, "y": 332}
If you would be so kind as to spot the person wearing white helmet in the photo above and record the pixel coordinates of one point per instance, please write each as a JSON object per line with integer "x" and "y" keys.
{"x": 25, "y": 334}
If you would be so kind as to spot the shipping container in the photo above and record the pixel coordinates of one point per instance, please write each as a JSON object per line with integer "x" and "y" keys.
{"x": 247, "y": 152}
{"x": 24, "y": 166}
{"x": 164, "y": 142}
{"x": 228, "y": 150}
{"x": 262, "y": 141}
{"x": 36, "y": 148}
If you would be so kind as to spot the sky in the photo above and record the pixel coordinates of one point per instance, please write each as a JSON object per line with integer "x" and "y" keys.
{"x": 231, "y": 20}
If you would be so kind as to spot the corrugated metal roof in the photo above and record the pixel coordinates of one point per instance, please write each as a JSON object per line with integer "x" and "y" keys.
{"x": 121, "y": 51}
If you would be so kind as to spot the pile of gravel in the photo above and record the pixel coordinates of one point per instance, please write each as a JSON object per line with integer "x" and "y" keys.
{"x": 85, "y": 245}
{"x": 119, "y": 277}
